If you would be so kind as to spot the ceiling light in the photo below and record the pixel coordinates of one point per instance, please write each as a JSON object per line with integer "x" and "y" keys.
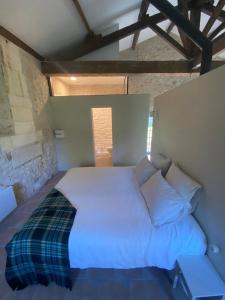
{"x": 73, "y": 78}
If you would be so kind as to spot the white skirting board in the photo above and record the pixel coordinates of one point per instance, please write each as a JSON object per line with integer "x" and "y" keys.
{"x": 7, "y": 202}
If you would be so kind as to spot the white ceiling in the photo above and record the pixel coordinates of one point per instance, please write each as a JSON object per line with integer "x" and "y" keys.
{"x": 49, "y": 26}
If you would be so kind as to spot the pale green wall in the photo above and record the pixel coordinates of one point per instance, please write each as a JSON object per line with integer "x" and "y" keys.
{"x": 129, "y": 122}
{"x": 189, "y": 128}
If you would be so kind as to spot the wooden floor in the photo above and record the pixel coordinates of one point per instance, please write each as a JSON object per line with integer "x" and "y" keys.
{"x": 101, "y": 284}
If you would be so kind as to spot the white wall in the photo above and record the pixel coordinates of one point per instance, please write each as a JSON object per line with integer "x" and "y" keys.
{"x": 129, "y": 125}
{"x": 189, "y": 128}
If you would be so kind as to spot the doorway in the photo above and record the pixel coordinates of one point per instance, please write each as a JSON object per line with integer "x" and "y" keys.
{"x": 102, "y": 134}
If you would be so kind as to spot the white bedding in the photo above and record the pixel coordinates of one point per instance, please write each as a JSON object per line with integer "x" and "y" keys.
{"x": 112, "y": 227}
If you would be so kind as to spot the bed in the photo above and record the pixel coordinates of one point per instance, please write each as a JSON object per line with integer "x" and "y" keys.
{"x": 112, "y": 227}
{"x": 95, "y": 218}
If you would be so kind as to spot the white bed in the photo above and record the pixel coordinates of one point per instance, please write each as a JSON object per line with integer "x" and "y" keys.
{"x": 112, "y": 227}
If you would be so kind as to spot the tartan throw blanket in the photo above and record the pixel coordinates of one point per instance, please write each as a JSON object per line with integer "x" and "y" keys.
{"x": 38, "y": 253}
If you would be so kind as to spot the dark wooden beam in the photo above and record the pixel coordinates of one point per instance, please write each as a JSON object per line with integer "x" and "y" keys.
{"x": 192, "y": 32}
{"x": 217, "y": 31}
{"x": 83, "y": 17}
{"x": 142, "y": 13}
{"x": 214, "y": 16}
{"x": 172, "y": 42}
{"x": 170, "y": 27}
{"x": 86, "y": 68}
{"x": 102, "y": 41}
{"x": 218, "y": 46}
{"x": 183, "y": 7}
{"x": 209, "y": 9}
{"x": 219, "y": 43}
{"x": 61, "y": 68}
{"x": 15, "y": 40}
{"x": 195, "y": 19}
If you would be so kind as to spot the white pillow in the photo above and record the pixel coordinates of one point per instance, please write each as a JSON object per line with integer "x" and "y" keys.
{"x": 144, "y": 170}
{"x": 164, "y": 203}
{"x": 162, "y": 162}
{"x": 182, "y": 183}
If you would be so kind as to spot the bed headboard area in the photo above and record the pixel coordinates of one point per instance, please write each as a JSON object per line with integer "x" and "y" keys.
{"x": 189, "y": 128}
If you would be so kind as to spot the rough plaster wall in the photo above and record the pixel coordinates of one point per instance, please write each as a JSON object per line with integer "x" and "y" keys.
{"x": 154, "y": 84}
{"x": 27, "y": 156}
{"x": 102, "y": 127}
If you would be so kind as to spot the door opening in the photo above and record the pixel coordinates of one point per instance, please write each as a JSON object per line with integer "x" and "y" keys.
{"x": 102, "y": 134}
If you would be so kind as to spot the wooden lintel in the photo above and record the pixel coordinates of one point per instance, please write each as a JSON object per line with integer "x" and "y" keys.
{"x": 15, "y": 40}
{"x": 87, "y": 68}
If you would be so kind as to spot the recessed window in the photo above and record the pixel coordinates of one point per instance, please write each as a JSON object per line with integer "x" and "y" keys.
{"x": 88, "y": 85}
{"x": 149, "y": 135}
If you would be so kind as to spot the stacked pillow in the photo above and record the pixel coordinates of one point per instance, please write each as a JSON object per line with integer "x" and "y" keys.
{"x": 168, "y": 199}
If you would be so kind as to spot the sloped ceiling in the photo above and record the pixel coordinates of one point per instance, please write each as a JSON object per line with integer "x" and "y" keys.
{"x": 49, "y": 26}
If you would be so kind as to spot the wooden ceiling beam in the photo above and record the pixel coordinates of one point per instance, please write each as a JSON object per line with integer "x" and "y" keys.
{"x": 214, "y": 16}
{"x": 15, "y": 40}
{"x": 96, "y": 68}
{"x": 195, "y": 19}
{"x": 102, "y": 41}
{"x": 218, "y": 46}
{"x": 192, "y": 32}
{"x": 172, "y": 42}
{"x": 217, "y": 31}
{"x": 209, "y": 9}
{"x": 83, "y": 17}
{"x": 170, "y": 27}
{"x": 183, "y": 7}
{"x": 142, "y": 13}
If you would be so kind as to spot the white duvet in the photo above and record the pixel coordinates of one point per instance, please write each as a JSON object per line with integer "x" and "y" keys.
{"x": 112, "y": 227}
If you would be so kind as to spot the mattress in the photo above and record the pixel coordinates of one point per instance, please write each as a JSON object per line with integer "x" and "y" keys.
{"x": 112, "y": 227}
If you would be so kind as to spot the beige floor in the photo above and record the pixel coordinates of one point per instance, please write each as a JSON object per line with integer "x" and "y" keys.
{"x": 101, "y": 284}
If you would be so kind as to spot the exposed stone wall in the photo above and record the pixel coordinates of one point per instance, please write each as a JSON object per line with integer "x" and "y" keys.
{"x": 109, "y": 89}
{"x": 102, "y": 126}
{"x": 27, "y": 156}
{"x": 154, "y": 84}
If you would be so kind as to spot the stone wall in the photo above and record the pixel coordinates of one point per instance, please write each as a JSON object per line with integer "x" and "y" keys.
{"x": 27, "y": 156}
{"x": 102, "y": 127}
{"x": 154, "y": 84}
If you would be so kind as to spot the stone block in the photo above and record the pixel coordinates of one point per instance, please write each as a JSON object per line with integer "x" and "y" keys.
{"x": 6, "y": 127}
{"x": 20, "y": 101}
{"x": 6, "y": 143}
{"x": 14, "y": 83}
{"x": 25, "y": 154}
{"x": 14, "y": 57}
{"x": 25, "y": 139}
{"x": 24, "y": 85}
{"x": 24, "y": 127}
{"x": 22, "y": 114}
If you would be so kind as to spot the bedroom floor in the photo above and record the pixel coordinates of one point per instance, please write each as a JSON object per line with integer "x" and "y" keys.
{"x": 136, "y": 284}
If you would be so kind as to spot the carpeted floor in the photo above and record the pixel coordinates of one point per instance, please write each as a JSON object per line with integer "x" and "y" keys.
{"x": 135, "y": 284}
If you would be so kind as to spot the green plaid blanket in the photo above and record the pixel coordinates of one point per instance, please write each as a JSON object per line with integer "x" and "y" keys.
{"x": 38, "y": 253}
